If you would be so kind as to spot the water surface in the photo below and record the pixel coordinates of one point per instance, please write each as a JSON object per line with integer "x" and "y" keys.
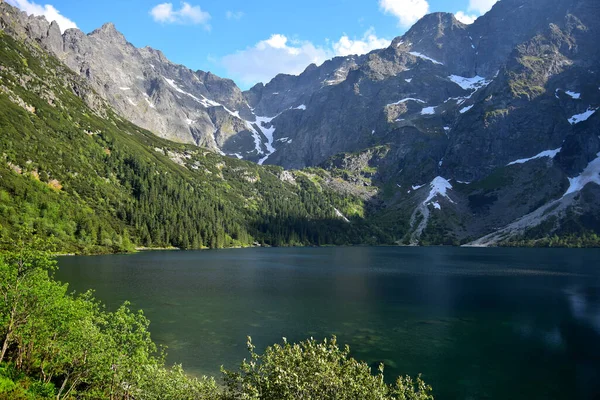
{"x": 477, "y": 323}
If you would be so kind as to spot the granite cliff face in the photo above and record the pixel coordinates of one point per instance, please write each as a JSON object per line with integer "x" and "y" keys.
{"x": 146, "y": 88}
{"x": 429, "y": 78}
{"x": 485, "y": 132}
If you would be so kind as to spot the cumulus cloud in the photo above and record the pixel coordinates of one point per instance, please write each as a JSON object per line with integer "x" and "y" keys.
{"x": 481, "y": 6}
{"x": 346, "y": 46}
{"x": 234, "y": 15}
{"x": 48, "y": 11}
{"x": 465, "y": 18}
{"x": 477, "y": 8}
{"x": 407, "y": 11}
{"x": 278, "y": 54}
{"x": 267, "y": 58}
{"x": 187, "y": 14}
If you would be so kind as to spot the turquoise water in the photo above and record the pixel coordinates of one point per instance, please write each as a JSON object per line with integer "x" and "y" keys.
{"x": 477, "y": 323}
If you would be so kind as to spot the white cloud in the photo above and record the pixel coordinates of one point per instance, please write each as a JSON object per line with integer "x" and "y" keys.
{"x": 278, "y": 54}
{"x": 477, "y": 8}
{"x": 346, "y": 46}
{"x": 275, "y": 41}
{"x": 465, "y": 18}
{"x": 48, "y": 11}
{"x": 234, "y": 15}
{"x": 269, "y": 57}
{"x": 481, "y": 6}
{"x": 407, "y": 11}
{"x": 187, "y": 14}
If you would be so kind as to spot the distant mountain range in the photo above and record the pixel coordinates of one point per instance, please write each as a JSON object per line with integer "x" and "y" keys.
{"x": 473, "y": 134}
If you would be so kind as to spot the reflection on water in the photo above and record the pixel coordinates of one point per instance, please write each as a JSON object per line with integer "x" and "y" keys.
{"x": 478, "y": 323}
{"x": 585, "y": 307}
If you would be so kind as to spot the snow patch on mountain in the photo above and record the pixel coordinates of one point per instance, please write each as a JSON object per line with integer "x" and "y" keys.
{"x": 439, "y": 187}
{"x": 424, "y": 57}
{"x": 547, "y": 153}
{"x": 339, "y": 76}
{"x": 172, "y": 83}
{"x": 590, "y": 174}
{"x": 475, "y": 83}
{"x": 573, "y": 95}
{"x": 428, "y": 111}
{"x": 405, "y": 100}
{"x": 204, "y": 101}
{"x": 575, "y": 119}
{"x": 464, "y": 110}
{"x": 340, "y": 215}
{"x": 262, "y": 123}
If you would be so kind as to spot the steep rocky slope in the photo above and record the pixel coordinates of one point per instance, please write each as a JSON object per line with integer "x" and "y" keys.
{"x": 143, "y": 86}
{"x": 426, "y": 80}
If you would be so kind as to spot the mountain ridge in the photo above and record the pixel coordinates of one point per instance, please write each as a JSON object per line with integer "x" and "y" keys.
{"x": 457, "y": 131}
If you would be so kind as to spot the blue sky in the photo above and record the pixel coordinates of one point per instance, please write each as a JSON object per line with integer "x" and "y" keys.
{"x": 251, "y": 41}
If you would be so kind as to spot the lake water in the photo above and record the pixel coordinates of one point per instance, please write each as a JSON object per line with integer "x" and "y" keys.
{"x": 477, "y": 323}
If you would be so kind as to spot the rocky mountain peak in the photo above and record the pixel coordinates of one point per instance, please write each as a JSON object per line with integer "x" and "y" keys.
{"x": 154, "y": 53}
{"x": 110, "y": 33}
{"x": 311, "y": 67}
{"x": 108, "y": 27}
{"x": 54, "y": 27}
{"x": 435, "y": 23}
{"x": 432, "y": 29}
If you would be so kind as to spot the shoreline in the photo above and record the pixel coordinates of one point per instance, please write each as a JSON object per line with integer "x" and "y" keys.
{"x": 161, "y": 249}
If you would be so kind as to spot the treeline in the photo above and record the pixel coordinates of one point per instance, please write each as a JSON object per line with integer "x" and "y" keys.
{"x": 574, "y": 231}
{"x": 584, "y": 240}
{"x": 97, "y": 183}
{"x": 57, "y": 345}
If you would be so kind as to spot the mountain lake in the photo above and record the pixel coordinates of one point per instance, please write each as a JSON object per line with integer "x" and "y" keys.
{"x": 477, "y": 323}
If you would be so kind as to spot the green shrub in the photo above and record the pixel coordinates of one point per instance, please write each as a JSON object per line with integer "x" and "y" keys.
{"x": 6, "y": 385}
{"x": 173, "y": 384}
{"x": 314, "y": 370}
{"x": 43, "y": 390}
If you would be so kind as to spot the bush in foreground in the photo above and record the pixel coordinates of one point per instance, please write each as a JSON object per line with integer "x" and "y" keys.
{"x": 314, "y": 370}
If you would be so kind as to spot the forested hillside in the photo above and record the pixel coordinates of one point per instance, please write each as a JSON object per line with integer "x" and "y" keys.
{"x": 74, "y": 170}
